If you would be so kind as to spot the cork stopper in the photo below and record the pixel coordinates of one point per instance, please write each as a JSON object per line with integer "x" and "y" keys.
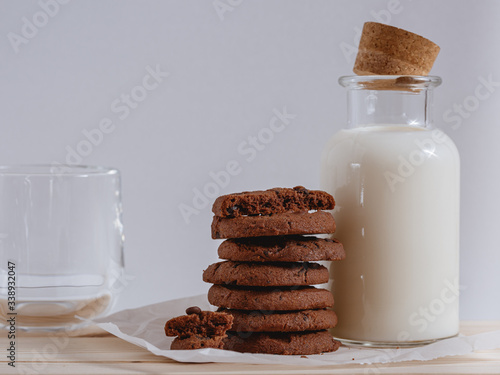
{"x": 387, "y": 50}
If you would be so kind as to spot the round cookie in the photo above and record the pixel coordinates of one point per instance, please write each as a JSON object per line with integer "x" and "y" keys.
{"x": 266, "y": 274}
{"x": 296, "y": 343}
{"x": 281, "y": 249}
{"x": 273, "y": 225}
{"x": 197, "y": 342}
{"x": 272, "y": 201}
{"x": 287, "y": 321}
{"x": 280, "y": 299}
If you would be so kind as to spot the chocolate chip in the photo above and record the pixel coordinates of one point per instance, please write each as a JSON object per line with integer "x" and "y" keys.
{"x": 231, "y": 210}
{"x": 193, "y": 310}
{"x": 301, "y": 189}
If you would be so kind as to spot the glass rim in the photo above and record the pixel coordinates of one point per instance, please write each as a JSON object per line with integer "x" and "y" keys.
{"x": 56, "y": 169}
{"x": 389, "y": 82}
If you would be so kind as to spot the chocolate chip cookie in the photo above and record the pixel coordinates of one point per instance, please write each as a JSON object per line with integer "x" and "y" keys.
{"x": 198, "y": 342}
{"x": 281, "y": 249}
{"x": 273, "y": 225}
{"x": 198, "y": 329}
{"x": 272, "y": 201}
{"x": 295, "y": 343}
{"x": 281, "y": 321}
{"x": 270, "y": 298}
{"x": 266, "y": 274}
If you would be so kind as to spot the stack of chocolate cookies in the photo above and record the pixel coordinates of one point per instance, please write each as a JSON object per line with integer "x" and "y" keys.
{"x": 266, "y": 281}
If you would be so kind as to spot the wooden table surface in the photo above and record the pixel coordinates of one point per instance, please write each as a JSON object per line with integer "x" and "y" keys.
{"x": 96, "y": 352}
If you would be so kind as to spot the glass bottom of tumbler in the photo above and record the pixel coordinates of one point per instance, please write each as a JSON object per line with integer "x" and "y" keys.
{"x": 389, "y": 344}
{"x": 50, "y": 315}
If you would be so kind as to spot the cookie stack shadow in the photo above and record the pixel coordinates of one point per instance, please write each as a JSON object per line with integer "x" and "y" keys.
{"x": 266, "y": 281}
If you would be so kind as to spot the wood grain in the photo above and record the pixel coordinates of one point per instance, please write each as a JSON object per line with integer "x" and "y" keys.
{"x": 95, "y": 352}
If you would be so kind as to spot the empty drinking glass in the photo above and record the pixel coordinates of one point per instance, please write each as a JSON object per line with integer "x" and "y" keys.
{"x": 61, "y": 244}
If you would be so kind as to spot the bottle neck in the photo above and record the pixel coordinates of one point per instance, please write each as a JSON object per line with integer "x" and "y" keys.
{"x": 393, "y": 101}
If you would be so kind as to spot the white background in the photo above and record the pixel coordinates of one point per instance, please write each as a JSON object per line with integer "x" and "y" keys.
{"x": 227, "y": 73}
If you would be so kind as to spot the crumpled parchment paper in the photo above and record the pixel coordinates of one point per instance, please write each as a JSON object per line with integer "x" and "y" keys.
{"x": 144, "y": 327}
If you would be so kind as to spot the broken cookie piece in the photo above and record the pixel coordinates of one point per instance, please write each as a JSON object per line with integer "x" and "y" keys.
{"x": 198, "y": 329}
{"x": 198, "y": 342}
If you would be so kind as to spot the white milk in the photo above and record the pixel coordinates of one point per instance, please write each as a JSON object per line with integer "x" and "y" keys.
{"x": 396, "y": 190}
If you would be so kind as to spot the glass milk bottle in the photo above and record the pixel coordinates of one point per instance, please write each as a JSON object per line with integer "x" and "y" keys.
{"x": 396, "y": 180}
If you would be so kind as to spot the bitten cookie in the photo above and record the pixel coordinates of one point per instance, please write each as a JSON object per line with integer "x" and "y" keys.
{"x": 297, "y": 343}
{"x": 274, "y": 225}
{"x": 272, "y": 201}
{"x": 281, "y": 249}
{"x": 198, "y": 342}
{"x": 204, "y": 323}
{"x": 198, "y": 329}
{"x": 281, "y": 299}
{"x": 266, "y": 274}
{"x": 286, "y": 321}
